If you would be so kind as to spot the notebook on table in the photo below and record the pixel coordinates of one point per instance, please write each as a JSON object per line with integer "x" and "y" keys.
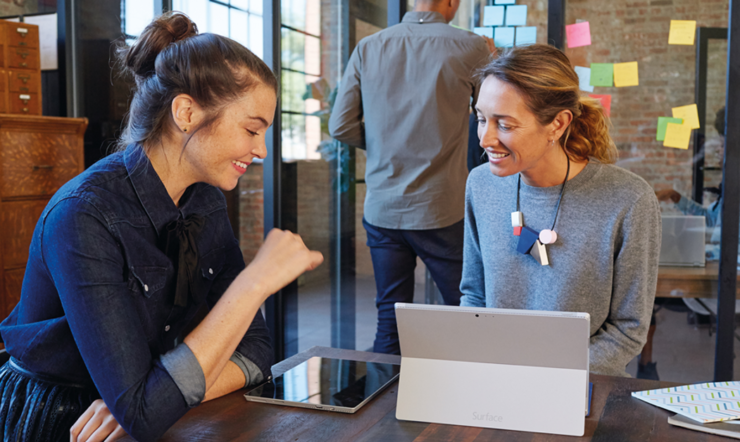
{"x": 518, "y": 370}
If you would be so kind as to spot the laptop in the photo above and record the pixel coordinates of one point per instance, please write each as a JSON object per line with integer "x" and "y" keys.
{"x": 521, "y": 370}
{"x": 683, "y": 241}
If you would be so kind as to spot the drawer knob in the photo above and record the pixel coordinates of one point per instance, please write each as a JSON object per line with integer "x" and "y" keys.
{"x": 25, "y": 109}
{"x": 24, "y": 65}
{"x": 43, "y": 166}
{"x": 24, "y": 78}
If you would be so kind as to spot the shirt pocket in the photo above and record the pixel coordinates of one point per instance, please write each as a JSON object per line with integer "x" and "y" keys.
{"x": 211, "y": 266}
{"x": 147, "y": 280}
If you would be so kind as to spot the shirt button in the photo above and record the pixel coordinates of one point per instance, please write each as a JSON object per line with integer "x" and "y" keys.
{"x": 166, "y": 328}
{"x": 421, "y": 20}
{"x": 146, "y": 288}
{"x": 210, "y": 271}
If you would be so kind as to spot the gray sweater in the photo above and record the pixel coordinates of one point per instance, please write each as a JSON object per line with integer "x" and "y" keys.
{"x": 605, "y": 261}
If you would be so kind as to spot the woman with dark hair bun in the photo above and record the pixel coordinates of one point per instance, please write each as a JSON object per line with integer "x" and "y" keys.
{"x": 550, "y": 224}
{"x": 125, "y": 254}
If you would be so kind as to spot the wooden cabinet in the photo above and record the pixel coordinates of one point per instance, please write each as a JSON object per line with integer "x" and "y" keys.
{"x": 20, "y": 69}
{"x": 37, "y": 156}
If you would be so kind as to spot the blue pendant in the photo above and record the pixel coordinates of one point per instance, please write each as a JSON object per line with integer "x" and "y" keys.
{"x": 527, "y": 240}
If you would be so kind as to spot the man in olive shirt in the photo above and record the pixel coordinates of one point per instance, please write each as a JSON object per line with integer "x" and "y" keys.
{"x": 412, "y": 84}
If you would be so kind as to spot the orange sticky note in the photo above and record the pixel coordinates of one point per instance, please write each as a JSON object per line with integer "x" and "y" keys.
{"x": 682, "y": 32}
{"x": 689, "y": 114}
{"x": 677, "y": 135}
{"x": 625, "y": 74}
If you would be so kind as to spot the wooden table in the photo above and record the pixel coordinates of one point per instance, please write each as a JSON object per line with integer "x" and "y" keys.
{"x": 615, "y": 417}
{"x": 689, "y": 282}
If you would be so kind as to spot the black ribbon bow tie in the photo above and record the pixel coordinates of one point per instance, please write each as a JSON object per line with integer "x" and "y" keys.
{"x": 180, "y": 246}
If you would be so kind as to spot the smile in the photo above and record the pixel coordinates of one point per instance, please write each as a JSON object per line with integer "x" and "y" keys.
{"x": 240, "y": 164}
{"x": 498, "y": 155}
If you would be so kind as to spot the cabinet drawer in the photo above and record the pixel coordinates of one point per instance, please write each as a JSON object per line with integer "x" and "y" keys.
{"x": 13, "y": 282}
{"x": 23, "y": 81}
{"x": 24, "y": 103}
{"x": 18, "y": 219}
{"x": 2, "y": 83}
{"x": 37, "y": 163}
{"x": 21, "y": 34}
{"x": 24, "y": 58}
{"x": 2, "y": 57}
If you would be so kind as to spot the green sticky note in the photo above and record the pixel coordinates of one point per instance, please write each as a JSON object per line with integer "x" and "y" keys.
{"x": 663, "y": 124}
{"x": 602, "y": 74}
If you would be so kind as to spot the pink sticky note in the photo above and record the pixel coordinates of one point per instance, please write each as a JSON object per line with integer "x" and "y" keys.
{"x": 578, "y": 34}
{"x": 606, "y": 102}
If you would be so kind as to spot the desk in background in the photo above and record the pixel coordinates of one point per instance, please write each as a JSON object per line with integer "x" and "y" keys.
{"x": 689, "y": 282}
{"x": 615, "y": 416}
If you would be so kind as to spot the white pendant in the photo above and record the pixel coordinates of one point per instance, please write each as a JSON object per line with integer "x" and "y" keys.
{"x": 517, "y": 219}
{"x": 548, "y": 236}
{"x": 539, "y": 253}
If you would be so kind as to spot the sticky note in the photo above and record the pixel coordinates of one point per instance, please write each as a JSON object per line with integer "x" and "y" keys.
{"x": 526, "y": 35}
{"x": 578, "y": 34}
{"x": 516, "y": 15}
{"x": 625, "y": 74}
{"x": 504, "y": 2}
{"x": 606, "y": 102}
{"x": 584, "y": 79}
{"x": 493, "y": 15}
{"x": 602, "y": 74}
{"x": 677, "y": 135}
{"x": 503, "y": 37}
{"x": 484, "y": 32}
{"x": 689, "y": 114}
{"x": 682, "y": 32}
{"x": 662, "y": 122}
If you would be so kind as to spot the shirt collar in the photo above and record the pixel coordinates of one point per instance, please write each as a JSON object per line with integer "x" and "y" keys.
{"x": 423, "y": 17}
{"x": 150, "y": 189}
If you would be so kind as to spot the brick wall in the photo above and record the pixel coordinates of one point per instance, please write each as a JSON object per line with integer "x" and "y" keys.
{"x": 623, "y": 31}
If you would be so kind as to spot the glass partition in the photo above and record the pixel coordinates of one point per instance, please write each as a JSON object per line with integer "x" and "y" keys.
{"x": 683, "y": 336}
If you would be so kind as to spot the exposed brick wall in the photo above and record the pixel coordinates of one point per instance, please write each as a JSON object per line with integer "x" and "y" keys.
{"x": 251, "y": 211}
{"x": 623, "y": 31}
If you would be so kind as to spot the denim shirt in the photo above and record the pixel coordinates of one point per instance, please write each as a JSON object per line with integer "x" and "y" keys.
{"x": 97, "y": 305}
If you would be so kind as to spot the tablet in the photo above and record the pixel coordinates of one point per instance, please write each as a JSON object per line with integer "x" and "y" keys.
{"x": 327, "y": 384}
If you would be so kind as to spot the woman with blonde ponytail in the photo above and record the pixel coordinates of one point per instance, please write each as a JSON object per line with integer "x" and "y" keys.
{"x": 551, "y": 223}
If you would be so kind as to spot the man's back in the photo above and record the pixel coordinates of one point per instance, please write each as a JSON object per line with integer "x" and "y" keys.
{"x": 412, "y": 83}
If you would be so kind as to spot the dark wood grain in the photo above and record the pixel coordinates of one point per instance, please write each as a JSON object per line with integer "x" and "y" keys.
{"x": 19, "y": 217}
{"x": 615, "y": 416}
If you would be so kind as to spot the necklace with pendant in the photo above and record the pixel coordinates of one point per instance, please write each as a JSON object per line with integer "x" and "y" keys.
{"x": 530, "y": 241}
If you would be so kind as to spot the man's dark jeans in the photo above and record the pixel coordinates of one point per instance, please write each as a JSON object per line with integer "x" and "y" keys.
{"x": 394, "y": 255}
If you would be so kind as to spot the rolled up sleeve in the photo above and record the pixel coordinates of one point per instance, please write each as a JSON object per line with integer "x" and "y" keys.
{"x": 187, "y": 373}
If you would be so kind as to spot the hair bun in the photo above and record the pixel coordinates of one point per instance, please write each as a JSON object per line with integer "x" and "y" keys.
{"x": 159, "y": 34}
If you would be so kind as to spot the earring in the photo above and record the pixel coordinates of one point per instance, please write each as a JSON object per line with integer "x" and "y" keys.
{"x": 185, "y": 129}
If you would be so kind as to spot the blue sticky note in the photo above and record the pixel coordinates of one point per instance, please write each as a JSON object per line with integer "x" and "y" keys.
{"x": 516, "y": 15}
{"x": 504, "y": 2}
{"x": 484, "y": 32}
{"x": 526, "y": 35}
{"x": 493, "y": 15}
{"x": 527, "y": 239}
{"x": 503, "y": 37}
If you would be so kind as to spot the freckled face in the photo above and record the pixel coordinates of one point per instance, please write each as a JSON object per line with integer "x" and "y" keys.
{"x": 509, "y": 132}
{"x": 220, "y": 154}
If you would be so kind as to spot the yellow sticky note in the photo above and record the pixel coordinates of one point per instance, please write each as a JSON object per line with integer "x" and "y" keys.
{"x": 677, "y": 135}
{"x": 625, "y": 74}
{"x": 682, "y": 32}
{"x": 689, "y": 114}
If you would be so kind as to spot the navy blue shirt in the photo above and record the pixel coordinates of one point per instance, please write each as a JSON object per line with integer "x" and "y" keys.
{"x": 97, "y": 305}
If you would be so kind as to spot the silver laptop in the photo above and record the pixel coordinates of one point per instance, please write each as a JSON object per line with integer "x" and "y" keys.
{"x": 521, "y": 370}
{"x": 683, "y": 241}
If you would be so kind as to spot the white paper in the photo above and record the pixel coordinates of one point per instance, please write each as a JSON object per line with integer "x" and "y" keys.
{"x": 584, "y": 78}
{"x": 47, "y": 24}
